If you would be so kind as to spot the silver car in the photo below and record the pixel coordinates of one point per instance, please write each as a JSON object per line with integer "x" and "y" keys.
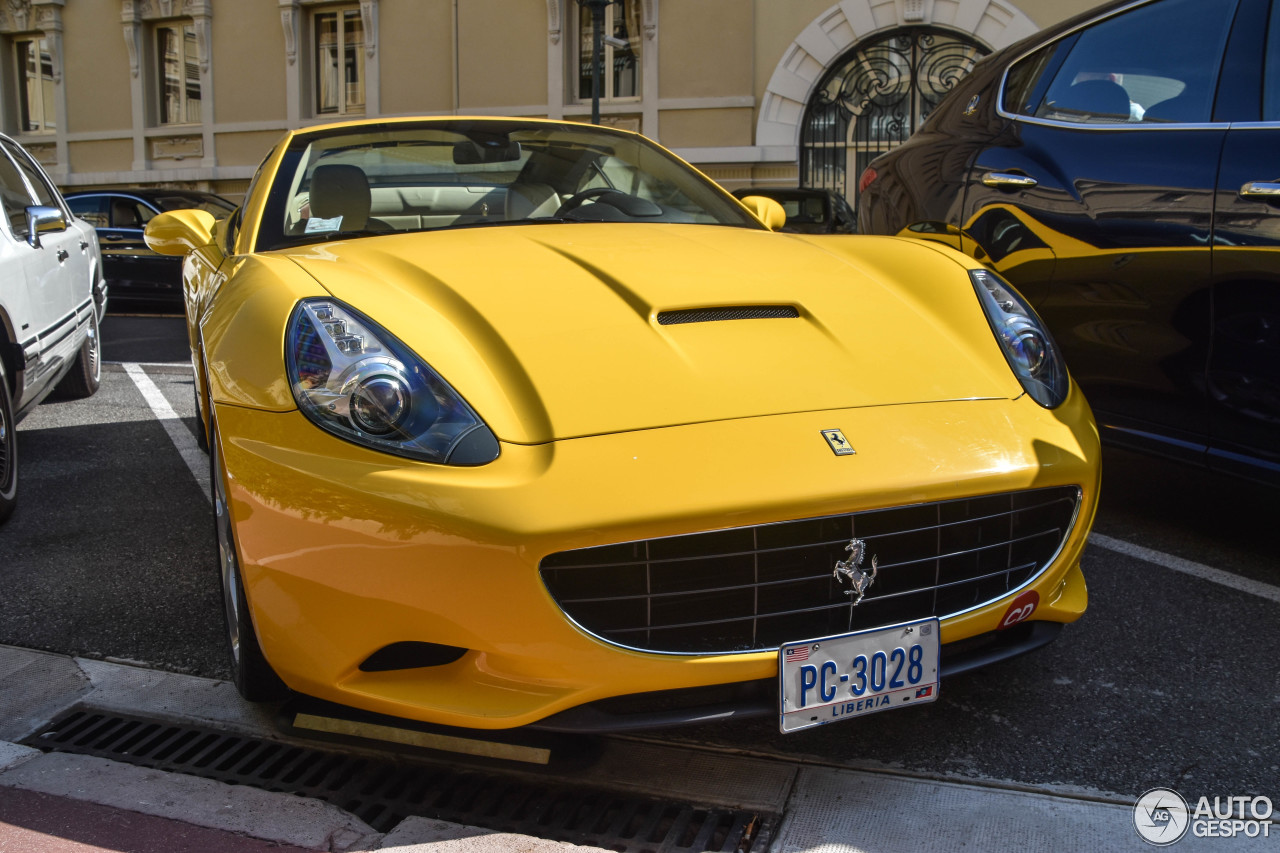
{"x": 52, "y": 297}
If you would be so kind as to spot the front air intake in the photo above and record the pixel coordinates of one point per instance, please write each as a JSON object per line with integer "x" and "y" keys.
{"x": 741, "y": 312}
{"x": 753, "y": 588}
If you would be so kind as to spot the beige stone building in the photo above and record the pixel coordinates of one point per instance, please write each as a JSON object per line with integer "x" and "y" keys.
{"x": 192, "y": 93}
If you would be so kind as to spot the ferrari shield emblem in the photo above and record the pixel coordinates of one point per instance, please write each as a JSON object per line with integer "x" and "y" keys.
{"x": 839, "y": 444}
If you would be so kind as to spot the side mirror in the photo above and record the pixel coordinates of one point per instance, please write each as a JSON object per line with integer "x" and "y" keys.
{"x": 766, "y": 210}
{"x": 179, "y": 231}
{"x": 43, "y": 220}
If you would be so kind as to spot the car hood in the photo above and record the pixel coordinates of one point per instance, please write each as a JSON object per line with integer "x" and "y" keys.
{"x": 557, "y": 331}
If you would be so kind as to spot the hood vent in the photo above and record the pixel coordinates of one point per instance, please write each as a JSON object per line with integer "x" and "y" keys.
{"x": 741, "y": 312}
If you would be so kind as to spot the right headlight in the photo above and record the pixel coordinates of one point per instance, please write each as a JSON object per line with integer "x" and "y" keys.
{"x": 1023, "y": 338}
{"x": 354, "y": 379}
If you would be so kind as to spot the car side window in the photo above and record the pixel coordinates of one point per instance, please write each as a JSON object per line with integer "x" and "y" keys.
{"x": 14, "y": 196}
{"x": 92, "y": 209}
{"x": 45, "y": 193}
{"x": 1155, "y": 63}
{"x": 1271, "y": 73}
{"x": 127, "y": 213}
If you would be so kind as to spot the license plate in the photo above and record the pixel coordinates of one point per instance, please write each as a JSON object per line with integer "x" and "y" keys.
{"x": 851, "y": 675}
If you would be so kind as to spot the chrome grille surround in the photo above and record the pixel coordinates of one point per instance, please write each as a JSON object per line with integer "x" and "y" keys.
{"x": 750, "y": 589}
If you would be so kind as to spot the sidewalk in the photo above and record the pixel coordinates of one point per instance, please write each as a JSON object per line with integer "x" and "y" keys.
{"x": 64, "y": 803}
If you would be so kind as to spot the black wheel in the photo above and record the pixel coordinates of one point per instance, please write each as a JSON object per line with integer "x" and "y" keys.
{"x": 86, "y": 374}
{"x": 253, "y": 676}
{"x": 8, "y": 449}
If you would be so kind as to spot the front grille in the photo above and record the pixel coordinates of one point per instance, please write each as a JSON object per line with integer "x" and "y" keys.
{"x": 751, "y": 588}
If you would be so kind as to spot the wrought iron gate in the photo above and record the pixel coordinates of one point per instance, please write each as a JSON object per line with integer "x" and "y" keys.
{"x": 874, "y": 97}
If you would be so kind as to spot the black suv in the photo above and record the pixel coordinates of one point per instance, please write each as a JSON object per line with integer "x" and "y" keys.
{"x": 1122, "y": 170}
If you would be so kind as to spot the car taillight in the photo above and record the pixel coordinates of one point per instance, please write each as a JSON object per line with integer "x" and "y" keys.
{"x": 868, "y": 175}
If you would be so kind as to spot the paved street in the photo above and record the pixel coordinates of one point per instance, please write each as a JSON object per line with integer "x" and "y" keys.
{"x": 1168, "y": 681}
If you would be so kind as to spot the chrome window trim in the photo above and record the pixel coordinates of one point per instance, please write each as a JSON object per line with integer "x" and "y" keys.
{"x": 1120, "y": 125}
{"x": 1066, "y": 536}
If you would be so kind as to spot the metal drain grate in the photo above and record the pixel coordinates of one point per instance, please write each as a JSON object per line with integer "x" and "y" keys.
{"x": 384, "y": 792}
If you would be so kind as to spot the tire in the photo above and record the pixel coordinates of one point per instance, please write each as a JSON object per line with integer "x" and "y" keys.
{"x": 8, "y": 449}
{"x": 86, "y": 374}
{"x": 252, "y": 675}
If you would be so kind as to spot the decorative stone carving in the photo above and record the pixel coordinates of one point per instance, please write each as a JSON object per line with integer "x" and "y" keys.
{"x": 46, "y": 154}
{"x": 177, "y": 147}
{"x": 204, "y": 42}
{"x": 553, "y": 20}
{"x": 15, "y": 16}
{"x": 289, "y": 21}
{"x": 369, "y": 17}
{"x": 131, "y": 37}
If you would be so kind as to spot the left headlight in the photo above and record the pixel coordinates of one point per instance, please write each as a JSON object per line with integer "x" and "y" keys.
{"x": 1023, "y": 338}
{"x": 354, "y": 379}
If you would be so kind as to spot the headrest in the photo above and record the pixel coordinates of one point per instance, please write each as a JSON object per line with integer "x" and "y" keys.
{"x": 341, "y": 190}
{"x": 1097, "y": 98}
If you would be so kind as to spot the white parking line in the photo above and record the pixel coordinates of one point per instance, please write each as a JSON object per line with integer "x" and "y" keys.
{"x": 1177, "y": 564}
{"x": 181, "y": 437}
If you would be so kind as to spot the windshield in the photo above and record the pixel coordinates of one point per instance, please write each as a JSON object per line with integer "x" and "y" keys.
{"x": 419, "y": 176}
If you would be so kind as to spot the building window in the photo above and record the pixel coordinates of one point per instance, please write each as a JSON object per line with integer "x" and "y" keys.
{"x": 620, "y": 68}
{"x": 339, "y": 43}
{"x": 36, "y": 112}
{"x": 178, "y": 78}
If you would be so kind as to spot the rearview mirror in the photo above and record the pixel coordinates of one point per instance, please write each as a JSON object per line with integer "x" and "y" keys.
{"x": 43, "y": 220}
{"x": 179, "y": 231}
{"x": 766, "y": 210}
{"x": 470, "y": 152}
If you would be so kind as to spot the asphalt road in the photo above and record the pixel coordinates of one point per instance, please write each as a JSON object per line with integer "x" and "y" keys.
{"x": 1170, "y": 679}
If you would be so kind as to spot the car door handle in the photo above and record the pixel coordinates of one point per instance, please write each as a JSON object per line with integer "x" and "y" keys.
{"x": 63, "y": 255}
{"x": 1268, "y": 190}
{"x": 1008, "y": 180}
{"x": 83, "y": 245}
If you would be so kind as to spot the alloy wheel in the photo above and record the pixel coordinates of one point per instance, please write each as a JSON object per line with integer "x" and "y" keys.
{"x": 229, "y": 566}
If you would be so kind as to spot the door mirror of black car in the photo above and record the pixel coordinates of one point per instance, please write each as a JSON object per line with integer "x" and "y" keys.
{"x": 43, "y": 220}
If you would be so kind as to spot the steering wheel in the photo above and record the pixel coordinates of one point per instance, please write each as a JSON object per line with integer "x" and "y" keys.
{"x": 575, "y": 200}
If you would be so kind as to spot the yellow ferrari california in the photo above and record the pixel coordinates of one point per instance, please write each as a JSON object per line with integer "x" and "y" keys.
{"x": 528, "y": 423}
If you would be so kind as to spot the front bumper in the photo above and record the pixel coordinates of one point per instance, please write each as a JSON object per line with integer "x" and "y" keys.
{"x": 346, "y": 551}
{"x": 721, "y": 702}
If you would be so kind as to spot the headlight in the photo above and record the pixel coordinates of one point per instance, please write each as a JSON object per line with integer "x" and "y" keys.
{"x": 1025, "y": 341}
{"x": 353, "y": 379}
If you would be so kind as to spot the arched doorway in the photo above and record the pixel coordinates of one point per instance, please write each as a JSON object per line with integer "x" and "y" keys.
{"x": 873, "y": 98}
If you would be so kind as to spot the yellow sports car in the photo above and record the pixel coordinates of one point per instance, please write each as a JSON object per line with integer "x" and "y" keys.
{"x": 519, "y": 422}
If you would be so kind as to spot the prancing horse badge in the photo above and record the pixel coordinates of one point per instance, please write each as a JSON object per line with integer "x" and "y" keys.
{"x": 839, "y": 444}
